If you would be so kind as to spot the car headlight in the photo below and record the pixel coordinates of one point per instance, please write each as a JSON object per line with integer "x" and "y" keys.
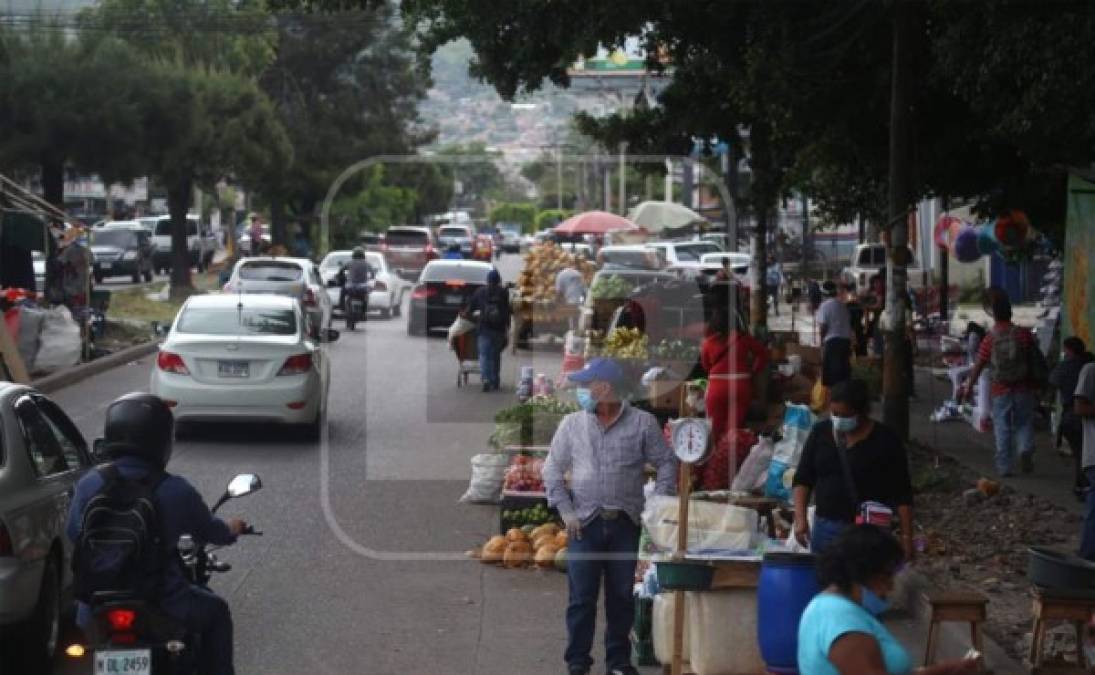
{"x": 129, "y": 255}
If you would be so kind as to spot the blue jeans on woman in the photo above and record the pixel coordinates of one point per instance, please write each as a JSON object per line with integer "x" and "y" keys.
{"x": 586, "y": 564}
{"x": 1012, "y": 424}
{"x": 490, "y": 356}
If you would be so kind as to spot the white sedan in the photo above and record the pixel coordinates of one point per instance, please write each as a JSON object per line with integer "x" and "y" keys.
{"x": 244, "y": 357}
{"x": 389, "y": 288}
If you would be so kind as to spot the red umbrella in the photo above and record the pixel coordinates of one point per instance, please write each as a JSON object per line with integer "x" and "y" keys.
{"x": 594, "y": 222}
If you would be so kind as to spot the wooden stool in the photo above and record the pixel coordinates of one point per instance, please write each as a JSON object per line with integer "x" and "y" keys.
{"x": 965, "y": 606}
{"x": 1076, "y": 608}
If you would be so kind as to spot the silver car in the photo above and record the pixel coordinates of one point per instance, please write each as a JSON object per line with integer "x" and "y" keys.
{"x": 42, "y": 457}
{"x": 296, "y": 277}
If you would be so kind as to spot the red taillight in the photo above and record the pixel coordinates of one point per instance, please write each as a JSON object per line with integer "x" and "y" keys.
{"x": 456, "y": 283}
{"x": 380, "y": 286}
{"x": 121, "y": 620}
{"x": 298, "y": 364}
{"x": 6, "y": 548}
{"x": 423, "y": 292}
{"x": 296, "y": 405}
{"x": 309, "y": 296}
{"x": 170, "y": 362}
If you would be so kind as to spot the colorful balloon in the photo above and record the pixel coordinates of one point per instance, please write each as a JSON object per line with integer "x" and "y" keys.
{"x": 965, "y": 245}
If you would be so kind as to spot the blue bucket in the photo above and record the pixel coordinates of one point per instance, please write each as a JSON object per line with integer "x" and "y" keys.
{"x": 788, "y": 581}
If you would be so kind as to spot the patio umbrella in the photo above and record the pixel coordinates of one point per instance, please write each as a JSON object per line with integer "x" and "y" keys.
{"x": 658, "y": 216}
{"x": 594, "y": 222}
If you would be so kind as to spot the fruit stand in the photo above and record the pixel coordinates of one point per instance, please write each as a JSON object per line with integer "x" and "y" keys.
{"x": 536, "y": 310}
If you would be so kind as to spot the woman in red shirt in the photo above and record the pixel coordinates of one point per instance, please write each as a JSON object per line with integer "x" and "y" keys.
{"x": 731, "y": 357}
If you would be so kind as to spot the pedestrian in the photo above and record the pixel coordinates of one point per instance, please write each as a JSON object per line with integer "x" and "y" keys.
{"x": 594, "y": 476}
{"x": 731, "y": 357}
{"x": 813, "y": 295}
{"x": 1008, "y": 349}
{"x": 1065, "y": 377}
{"x": 856, "y": 318}
{"x": 775, "y": 279}
{"x": 839, "y": 632}
{"x": 491, "y": 302}
{"x": 1083, "y": 405}
{"x": 256, "y": 234}
{"x": 834, "y": 326}
{"x": 849, "y": 460}
{"x": 570, "y": 291}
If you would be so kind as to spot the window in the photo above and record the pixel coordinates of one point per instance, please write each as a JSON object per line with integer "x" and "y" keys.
{"x": 271, "y": 270}
{"x": 73, "y": 446}
{"x": 45, "y": 453}
{"x": 446, "y": 271}
{"x": 407, "y": 238}
{"x": 238, "y": 321}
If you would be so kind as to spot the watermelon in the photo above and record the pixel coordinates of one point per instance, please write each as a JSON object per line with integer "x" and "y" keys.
{"x": 561, "y": 560}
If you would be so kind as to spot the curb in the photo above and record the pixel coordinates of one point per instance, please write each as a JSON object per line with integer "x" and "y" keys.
{"x": 70, "y": 376}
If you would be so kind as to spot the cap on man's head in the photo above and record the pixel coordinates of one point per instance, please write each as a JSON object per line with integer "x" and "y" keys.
{"x": 493, "y": 277}
{"x": 828, "y": 289}
{"x": 599, "y": 369}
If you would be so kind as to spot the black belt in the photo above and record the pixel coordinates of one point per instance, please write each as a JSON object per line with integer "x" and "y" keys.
{"x": 612, "y": 514}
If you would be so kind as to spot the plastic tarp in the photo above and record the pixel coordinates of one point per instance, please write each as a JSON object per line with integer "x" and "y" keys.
{"x": 59, "y": 343}
{"x": 712, "y": 528}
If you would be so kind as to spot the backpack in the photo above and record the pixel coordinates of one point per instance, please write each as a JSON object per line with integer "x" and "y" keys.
{"x": 493, "y": 316}
{"x": 1010, "y": 361}
{"x": 120, "y": 546}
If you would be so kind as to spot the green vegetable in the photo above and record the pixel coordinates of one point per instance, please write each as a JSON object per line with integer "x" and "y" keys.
{"x": 610, "y": 287}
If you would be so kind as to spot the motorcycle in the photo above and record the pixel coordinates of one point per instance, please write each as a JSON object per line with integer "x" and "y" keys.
{"x": 357, "y": 303}
{"x": 127, "y": 635}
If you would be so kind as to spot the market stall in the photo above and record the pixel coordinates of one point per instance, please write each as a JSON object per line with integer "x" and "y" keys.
{"x": 537, "y": 309}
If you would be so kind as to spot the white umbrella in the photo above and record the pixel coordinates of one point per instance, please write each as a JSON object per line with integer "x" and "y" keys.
{"x": 658, "y": 216}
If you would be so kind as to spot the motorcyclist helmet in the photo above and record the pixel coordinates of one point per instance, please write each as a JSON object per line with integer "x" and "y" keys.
{"x": 139, "y": 425}
{"x": 359, "y": 253}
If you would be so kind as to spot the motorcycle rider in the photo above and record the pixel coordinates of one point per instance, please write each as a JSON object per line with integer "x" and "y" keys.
{"x": 355, "y": 275}
{"x": 138, "y": 434}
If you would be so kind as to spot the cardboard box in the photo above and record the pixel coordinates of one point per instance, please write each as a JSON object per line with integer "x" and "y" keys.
{"x": 665, "y": 395}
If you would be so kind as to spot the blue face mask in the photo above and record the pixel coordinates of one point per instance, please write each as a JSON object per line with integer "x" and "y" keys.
{"x": 872, "y": 602}
{"x": 585, "y": 399}
{"x": 844, "y": 424}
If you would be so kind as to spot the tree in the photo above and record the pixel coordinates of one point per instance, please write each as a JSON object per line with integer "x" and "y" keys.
{"x": 474, "y": 172}
{"x": 523, "y": 214}
{"x": 376, "y": 206}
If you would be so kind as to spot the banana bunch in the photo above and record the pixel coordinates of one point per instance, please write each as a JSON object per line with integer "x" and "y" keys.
{"x": 625, "y": 343}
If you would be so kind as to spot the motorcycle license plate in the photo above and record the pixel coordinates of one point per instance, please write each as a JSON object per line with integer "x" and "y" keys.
{"x": 233, "y": 369}
{"x": 454, "y": 299}
{"x": 130, "y": 662}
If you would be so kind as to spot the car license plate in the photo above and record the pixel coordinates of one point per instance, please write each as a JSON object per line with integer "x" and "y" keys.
{"x": 233, "y": 369}
{"x": 454, "y": 299}
{"x": 106, "y": 265}
{"x": 131, "y": 662}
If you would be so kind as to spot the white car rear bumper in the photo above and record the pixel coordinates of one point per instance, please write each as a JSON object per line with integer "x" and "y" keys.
{"x": 267, "y": 401}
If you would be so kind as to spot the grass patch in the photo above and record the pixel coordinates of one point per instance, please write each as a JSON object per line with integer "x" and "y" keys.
{"x": 133, "y": 304}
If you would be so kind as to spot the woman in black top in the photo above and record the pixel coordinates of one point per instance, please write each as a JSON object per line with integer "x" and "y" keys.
{"x": 877, "y": 462}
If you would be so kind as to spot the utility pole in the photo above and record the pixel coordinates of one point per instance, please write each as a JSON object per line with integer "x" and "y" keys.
{"x": 623, "y": 179}
{"x": 895, "y": 389}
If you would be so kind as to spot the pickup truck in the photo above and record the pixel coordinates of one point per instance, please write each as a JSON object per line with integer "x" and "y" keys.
{"x": 870, "y": 259}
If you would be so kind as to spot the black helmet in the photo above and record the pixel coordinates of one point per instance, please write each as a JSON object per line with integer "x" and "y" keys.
{"x": 358, "y": 253}
{"x": 139, "y": 425}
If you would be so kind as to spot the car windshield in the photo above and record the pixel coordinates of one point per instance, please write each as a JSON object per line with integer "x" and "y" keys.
{"x": 692, "y": 252}
{"x": 237, "y": 321}
{"x": 406, "y": 238}
{"x": 163, "y": 228}
{"x": 336, "y": 260}
{"x": 118, "y": 238}
{"x": 453, "y": 232}
{"x": 474, "y": 274}
{"x": 270, "y": 270}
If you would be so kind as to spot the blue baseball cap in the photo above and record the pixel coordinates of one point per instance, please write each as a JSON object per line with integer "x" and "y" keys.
{"x": 598, "y": 369}
{"x": 493, "y": 277}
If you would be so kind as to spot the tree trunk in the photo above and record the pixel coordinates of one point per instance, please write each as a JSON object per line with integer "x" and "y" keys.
{"x": 178, "y": 203}
{"x": 895, "y": 385}
{"x": 53, "y": 181}
{"x": 278, "y": 222}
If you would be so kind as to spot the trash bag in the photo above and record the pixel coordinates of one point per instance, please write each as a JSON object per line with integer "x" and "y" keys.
{"x": 488, "y": 472}
{"x": 59, "y": 341}
{"x": 753, "y": 473}
{"x": 30, "y": 331}
{"x": 459, "y": 327}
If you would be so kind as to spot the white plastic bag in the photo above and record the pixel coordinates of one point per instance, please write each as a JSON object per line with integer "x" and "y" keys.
{"x": 797, "y": 422}
{"x": 488, "y": 472}
{"x": 59, "y": 341}
{"x": 30, "y": 330}
{"x": 712, "y": 527}
{"x": 460, "y": 327}
{"x": 754, "y": 470}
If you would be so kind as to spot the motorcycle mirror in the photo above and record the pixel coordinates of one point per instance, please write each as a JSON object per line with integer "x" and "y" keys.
{"x": 243, "y": 484}
{"x": 332, "y": 335}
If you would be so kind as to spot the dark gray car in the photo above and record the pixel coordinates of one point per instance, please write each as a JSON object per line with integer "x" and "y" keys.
{"x": 42, "y": 457}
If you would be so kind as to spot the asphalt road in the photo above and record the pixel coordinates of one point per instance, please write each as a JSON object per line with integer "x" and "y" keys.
{"x": 362, "y": 568}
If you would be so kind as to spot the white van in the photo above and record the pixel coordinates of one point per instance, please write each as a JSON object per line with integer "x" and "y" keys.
{"x": 199, "y": 241}
{"x": 870, "y": 259}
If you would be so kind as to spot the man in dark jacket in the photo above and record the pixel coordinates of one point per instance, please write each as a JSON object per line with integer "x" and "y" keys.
{"x": 490, "y": 306}
{"x": 1074, "y": 356}
{"x": 138, "y": 434}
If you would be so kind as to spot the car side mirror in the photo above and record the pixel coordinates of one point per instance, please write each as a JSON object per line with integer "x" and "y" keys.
{"x": 332, "y": 335}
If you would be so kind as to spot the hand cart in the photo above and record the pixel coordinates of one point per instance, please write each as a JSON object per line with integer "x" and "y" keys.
{"x": 466, "y": 348}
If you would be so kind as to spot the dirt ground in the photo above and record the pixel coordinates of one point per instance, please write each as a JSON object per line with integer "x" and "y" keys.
{"x": 974, "y": 542}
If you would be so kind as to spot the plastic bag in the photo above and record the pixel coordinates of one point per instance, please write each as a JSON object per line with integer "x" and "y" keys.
{"x": 797, "y": 422}
{"x": 459, "y": 327}
{"x": 780, "y": 477}
{"x": 711, "y": 527}
{"x": 754, "y": 470}
{"x": 488, "y": 472}
{"x": 30, "y": 331}
{"x": 59, "y": 343}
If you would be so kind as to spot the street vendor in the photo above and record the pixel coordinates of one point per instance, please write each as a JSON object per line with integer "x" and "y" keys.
{"x": 570, "y": 289}
{"x": 731, "y": 357}
{"x": 851, "y": 463}
{"x": 604, "y": 447}
{"x": 835, "y": 330}
{"x": 73, "y": 261}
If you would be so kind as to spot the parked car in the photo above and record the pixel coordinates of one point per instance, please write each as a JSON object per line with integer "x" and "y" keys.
{"x": 297, "y": 278}
{"x": 635, "y": 256}
{"x": 443, "y": 288}
{"x": 122, "y": 248}
{"x": 511, "y": 241}
{"x": 683, "y": 257}
{"x": 200, "y": 242}
{"x": 461, "y": 235}
{"x": 870, "y": 259}
{"x": 371, "y": 241}
{"x": 720, "y": 239}
{"x": 408, "y": 249}
{"x": 581, "y": 250}
{"x": 243, "y": 358}
{"x": 42, "y": 457}
{"x": 388, "y": 291}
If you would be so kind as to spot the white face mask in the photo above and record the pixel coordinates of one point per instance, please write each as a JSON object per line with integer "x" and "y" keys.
{"x": 844, "y": 424}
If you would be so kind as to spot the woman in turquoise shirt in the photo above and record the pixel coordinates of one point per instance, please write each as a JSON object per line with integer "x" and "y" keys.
{"x": 839, "y": 633}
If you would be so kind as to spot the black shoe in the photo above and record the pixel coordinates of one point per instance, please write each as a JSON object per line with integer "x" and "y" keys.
{"x": 577, "y": 670}
{"x": 1026, "y": 462}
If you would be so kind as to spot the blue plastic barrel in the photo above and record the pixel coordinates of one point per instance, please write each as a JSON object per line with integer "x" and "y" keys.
{"x": 788, "y": 581}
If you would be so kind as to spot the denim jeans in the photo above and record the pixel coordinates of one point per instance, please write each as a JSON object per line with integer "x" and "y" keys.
{"x": 1087, "y": 539}
{"x": 490, "y": 356}
{"x": 585, "y": 568}
{"x": 825, "y": 532}
{"x": 1013, "y": 425}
